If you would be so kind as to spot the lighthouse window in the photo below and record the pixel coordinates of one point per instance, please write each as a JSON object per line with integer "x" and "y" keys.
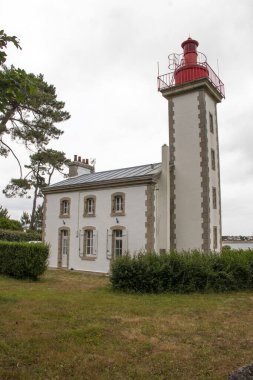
{"x": 214, "y": 198}
{"x": 211, "y": 122}
{"x": 213, "y": 159}
{"x": 215, "y": 238}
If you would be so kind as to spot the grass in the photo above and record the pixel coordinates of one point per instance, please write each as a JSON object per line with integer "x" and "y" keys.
{"x": 70, "y": 325}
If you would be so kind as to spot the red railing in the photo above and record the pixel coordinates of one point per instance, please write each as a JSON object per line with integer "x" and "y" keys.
{"x": 168, "y": 80}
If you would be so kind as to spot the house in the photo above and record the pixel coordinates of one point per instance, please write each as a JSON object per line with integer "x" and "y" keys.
{"x": 91, "y": 218}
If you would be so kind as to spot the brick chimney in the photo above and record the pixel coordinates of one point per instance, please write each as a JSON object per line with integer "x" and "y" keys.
{"x": 80, "y": 166}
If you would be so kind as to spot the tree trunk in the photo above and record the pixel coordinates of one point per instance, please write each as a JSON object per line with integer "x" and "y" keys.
{"x": 32, "y": 223}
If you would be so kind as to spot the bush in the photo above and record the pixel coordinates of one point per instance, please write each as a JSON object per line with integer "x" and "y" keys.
{"x": 10, "y": 235}
{"x": 184, "y": 272}
{"x": 10, "y": 224}
{"x": 23, "y": 260}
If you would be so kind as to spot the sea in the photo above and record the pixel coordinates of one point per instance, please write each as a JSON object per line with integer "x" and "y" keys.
{"x": 238, "y": 245}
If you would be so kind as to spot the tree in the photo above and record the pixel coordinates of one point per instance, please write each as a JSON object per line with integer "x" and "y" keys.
{"x": 25, "y": 220}
{"x": 4, "y": 40}
{"x": 4, "y": 213}
{"x": 41, "y": 168}
{"x": 38, "y": 219}
{"x": 29, "y": 108}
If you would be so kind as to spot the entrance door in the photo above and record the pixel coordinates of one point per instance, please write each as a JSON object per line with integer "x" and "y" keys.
{"x": 64, "y": 248}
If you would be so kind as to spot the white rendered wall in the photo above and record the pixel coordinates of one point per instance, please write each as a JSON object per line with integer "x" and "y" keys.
{"x": 213, "y": 174}
{"x": 133, "y": 221}
{"x": 162, "y": 205}
{"x": 187, "y": 172}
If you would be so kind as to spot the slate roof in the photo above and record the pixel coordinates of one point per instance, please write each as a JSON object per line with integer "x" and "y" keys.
{"x": 143, "y": 171}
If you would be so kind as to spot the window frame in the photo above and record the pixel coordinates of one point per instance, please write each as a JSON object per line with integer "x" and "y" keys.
{"x": 214, "y": 196}
{"x": 211, "y": 123}
{"x": 115, "y": 197}
{"x": 86, "y": 211}
{"x": 213, "y": 160}
{"x": 89, "y": 241}
{"x": 63, "y": 203}
{"x": 215, "y": 237}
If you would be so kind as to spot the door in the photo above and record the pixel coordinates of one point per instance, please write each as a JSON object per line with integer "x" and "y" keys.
{"x": 64, "y": 248}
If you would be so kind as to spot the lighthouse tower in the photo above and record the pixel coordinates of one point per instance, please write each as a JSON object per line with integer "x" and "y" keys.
{"x": 193, "y": 91}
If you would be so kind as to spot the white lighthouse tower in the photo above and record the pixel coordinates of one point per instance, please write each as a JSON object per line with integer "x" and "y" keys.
{"x": 193, "y": 91}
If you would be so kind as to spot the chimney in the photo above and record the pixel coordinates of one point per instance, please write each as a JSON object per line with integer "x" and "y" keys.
{"x": 80, "y": 166}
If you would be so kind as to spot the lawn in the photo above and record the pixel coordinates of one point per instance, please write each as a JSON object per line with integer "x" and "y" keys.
{"x": 70, "y": 325}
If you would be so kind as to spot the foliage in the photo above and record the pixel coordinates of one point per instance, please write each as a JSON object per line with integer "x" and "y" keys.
{"x": 23, "y": 260}
{"x": 25, "y": 220}
{"x": 184, "y": 272}
{"x": 10, "y": 224}
{"x": 10, "y": 235}
{"x": 4, "y": 213}
{"x": 29, "y": 108}
{"x": 41, "y": 168}
{"x": 4, "y": 40}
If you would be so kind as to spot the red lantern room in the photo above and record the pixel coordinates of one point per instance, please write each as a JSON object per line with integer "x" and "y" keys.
{"x": 190, "y": 68}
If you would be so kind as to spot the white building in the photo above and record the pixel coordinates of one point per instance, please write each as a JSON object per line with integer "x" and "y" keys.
{"x": 91, "y": 218}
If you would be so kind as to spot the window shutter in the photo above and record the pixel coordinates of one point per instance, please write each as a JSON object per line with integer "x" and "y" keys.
{"x": 84, "y": 242}
{"x": 113, "y": 204}
{"x": 109, "y": 245}
{"x": 95, "y": 243}
{"x": 124, "y": 241}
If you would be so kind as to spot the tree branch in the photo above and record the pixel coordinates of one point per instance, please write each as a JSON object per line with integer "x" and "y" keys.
{"x": 7, "y": 146}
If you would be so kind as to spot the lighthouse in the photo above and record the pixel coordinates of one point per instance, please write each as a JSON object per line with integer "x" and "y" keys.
{"x": 193, "y": 91}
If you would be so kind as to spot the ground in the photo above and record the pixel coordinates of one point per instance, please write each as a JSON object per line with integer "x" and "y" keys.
{"x": 71, "y": 325}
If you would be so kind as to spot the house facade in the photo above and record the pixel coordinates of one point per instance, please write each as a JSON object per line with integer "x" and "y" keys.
{"x": 92, "y": 218}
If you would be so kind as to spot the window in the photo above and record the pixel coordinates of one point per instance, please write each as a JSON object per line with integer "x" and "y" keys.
{"x": 211, "y": 122}
{"x": 213, "y": 159}
{"x": 118, "y": 204}
{"x": 65, "y": 208}
{"x": 90, "y": 205}
{"x": 88, "y": 242}
{"x": 88, "y": 250}
{"x": 117, "y": 241}
{"x": 214, "y": 198}
{"x": 215, "y": 238}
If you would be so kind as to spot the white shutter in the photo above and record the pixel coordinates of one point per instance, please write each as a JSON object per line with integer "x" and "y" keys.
{"x": 109, "y": 245}
{"x": 124, "y": 242}
{"x": 95, "y": 243}
{"x": 81, "y": 242}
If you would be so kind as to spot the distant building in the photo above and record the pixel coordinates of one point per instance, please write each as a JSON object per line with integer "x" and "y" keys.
{"x": 91, "y": 218}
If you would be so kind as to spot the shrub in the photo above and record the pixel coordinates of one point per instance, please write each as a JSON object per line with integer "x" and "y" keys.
{"x": 184, "y": 272}
{"x": 23, "y": 260}
{"x": 10, "y": 235}
{"x": 10, "y": 224}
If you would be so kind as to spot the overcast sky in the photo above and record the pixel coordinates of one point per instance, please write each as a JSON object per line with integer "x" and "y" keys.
{"x": 102, "y": 58}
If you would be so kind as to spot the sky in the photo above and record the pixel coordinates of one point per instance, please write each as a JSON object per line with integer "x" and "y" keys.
{"x": 102, "y": 58}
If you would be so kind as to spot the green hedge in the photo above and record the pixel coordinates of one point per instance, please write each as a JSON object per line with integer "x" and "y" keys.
{"x": 10, "y": 224}
{"x": 184, "y": 272}
{"x": 10, "y": 235}
{"x": 23, "y": 260}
